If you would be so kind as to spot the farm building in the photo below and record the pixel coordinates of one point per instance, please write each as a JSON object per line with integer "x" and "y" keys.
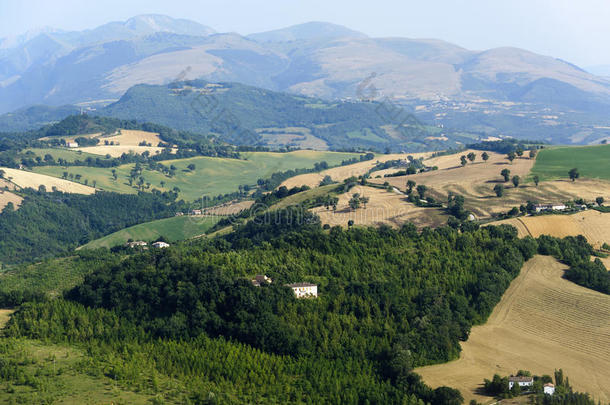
{"x": 550, "y": 207}
{"x": 521, "y": 381}
{"x": 260, "y": 279}
{"x": 160, "y": 245}
{"x": 304, "y": 290}
{"x": 72, "y": 145}
{"x": 196, "y": 212}
{"x": 549, "y": 389}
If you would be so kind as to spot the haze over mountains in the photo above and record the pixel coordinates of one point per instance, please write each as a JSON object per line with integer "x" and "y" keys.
{"x": 314, "y": 59}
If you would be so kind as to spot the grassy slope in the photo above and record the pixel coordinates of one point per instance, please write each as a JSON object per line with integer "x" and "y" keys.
{"x": 57, "y": 153}
{"x": 212, "y": 176}
{"x": 173, "y": 229}
{"x": 591, "y": 161}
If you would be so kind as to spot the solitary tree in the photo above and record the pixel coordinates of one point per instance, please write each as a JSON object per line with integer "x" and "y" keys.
{"x": 350, "y": 223}
{"x": 516, "y": 181}
{"x": 536, "y": 180}
{"x": 421, "y": 190}
{"x": 506, "y": 174}
{"x": 485, "y": 156}
{"x": 463, "y": 160}
{"x": 499, "y": 190}
{"x": 519, "y": 152}
{"x": 2, "y": 173}
{"x": 599, "y": 201}
{"x": 471, "y": 156}
{"x": 162, "y": 184}
{"x": 114, "y": 174}
{"x": 191, "y": 167}
{"x": 511, "y": 156}
{"x": 410, "y": 185}
{"x": 364, "y": 200}
{"x": 574, "y": 174}
{"x": 533, "y": 153}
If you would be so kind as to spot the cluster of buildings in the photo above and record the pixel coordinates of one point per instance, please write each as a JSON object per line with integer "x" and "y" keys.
{"x": 523, "y": 381}
{"x": 301, "y": 290}
{"x": 142, "y": 244}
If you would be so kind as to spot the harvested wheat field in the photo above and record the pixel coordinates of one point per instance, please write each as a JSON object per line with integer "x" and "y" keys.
{"x": 7, "y": 197}
{"x": 128, "y": 137}
{"x": 593, "y": 225}
{"x": 343, "y": 172}
{"x": 542, "y": 323}
{"x": 26, "y": 179}
{"x": 476, "y": 181}
{"x": 119, "y": 150}
{"x": 384, "y": 207}
{"x": 230, "y": 208}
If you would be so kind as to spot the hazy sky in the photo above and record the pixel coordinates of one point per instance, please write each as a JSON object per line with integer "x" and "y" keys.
{"x": 575, "y": 30}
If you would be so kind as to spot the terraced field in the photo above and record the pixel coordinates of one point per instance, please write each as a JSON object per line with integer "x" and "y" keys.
{"x": 542, "y": 323}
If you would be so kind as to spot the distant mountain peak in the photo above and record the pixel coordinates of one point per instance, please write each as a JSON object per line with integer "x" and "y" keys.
{"x": 307, "y": 31}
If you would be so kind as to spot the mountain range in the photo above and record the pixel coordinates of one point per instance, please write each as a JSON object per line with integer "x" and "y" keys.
{"x": 428, "y": 76}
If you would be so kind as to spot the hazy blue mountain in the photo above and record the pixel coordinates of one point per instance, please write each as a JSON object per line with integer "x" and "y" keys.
{"x": 316, "y": 59}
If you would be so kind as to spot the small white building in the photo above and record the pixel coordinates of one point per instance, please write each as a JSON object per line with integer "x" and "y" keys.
{"x": 72, "y": 145}
{"x": 550, "y": 207}
{"x": 549, "y": 389}
{"x": 196, "y": 212}
{"x": 304, "y": 290}
{"x": 160, "y": 245}
{"x": 521, "y": 381}
{"x": 260, "y": 279}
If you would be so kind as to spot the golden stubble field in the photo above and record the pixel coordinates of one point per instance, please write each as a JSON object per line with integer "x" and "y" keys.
{"x": 542, "y": 323}
{"x": 476, "y": 181}
{"x": 384, "y": 207}
{"x": 343, "y": 172}
{"x": 25, "y": 179}
{"x": 125, "y": 141}
{"x": 593, "y": 225}
{"x": 8, "y": 197}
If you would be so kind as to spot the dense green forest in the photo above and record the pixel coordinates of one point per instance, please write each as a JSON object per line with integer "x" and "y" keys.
{"x": 164, "y": 322}
{"x": 50, "y": 224}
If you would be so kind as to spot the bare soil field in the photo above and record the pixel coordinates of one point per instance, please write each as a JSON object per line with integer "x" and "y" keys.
{"x": 593, "y": 225}
{"x": 26, "y": 179}
{"x": 343, "y": 172}
{"x": 476, "y": 181}
{"x": 384, "y": 207}
{"x": 7, "y": 197}
{"x": 542, "y": 323}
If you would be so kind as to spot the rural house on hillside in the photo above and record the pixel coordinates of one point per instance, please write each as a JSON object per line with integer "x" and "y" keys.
{"x": 260, "y": 279}
{"x": 521, "y": 381}
{"x": 304, "y": 290}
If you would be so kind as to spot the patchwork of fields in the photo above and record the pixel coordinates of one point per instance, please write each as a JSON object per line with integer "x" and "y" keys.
{"x": 211, "y": 176}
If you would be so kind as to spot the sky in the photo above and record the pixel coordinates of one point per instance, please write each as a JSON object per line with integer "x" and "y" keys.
{"x": 574, "y": 30}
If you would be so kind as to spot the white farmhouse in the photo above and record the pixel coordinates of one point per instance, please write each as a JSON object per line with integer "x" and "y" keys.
{"x": 160, "y": 245}
{"x": 72, "y": 145}
{"x": 550, "y": 207}
{"x": 549, "y": 389}
{"x": 521, "y": 381}
{"x": 304, "y": 290}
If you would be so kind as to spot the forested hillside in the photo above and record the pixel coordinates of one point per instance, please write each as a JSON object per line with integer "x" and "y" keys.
{"x": 48, "y": 224}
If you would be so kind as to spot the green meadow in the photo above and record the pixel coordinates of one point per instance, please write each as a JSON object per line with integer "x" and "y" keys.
{"x": 591, "y": 162}
{"x": 212, "y": 176}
